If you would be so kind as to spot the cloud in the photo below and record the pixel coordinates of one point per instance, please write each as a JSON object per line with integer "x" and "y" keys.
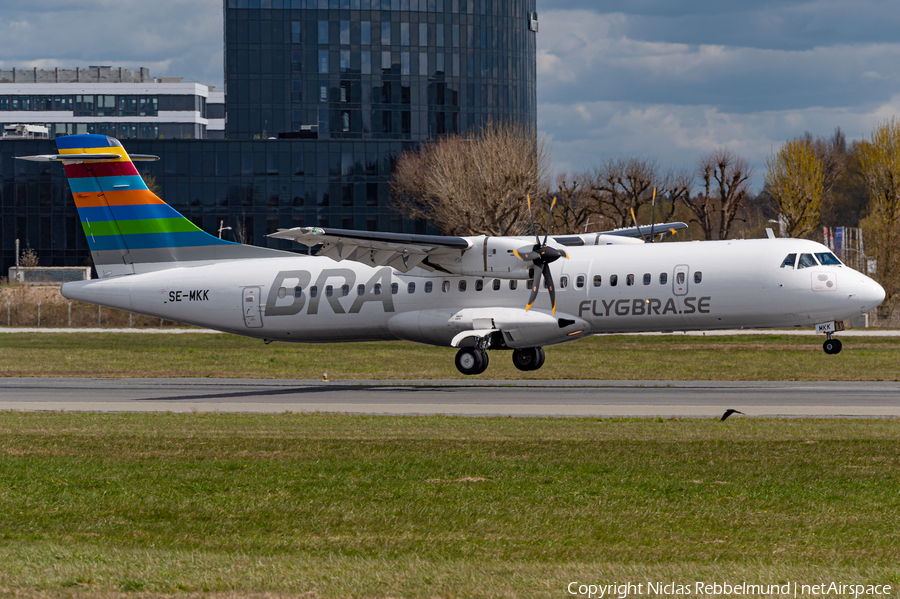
{"x": 587, "y": 54}
{"x": 678, "y": 136}
{"x": 171, "y": 37}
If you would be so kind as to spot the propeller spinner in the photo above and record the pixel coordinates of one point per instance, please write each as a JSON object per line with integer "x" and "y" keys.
{"x": 542, "y": 255}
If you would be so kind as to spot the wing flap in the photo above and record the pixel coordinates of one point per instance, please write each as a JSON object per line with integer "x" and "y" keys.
{"x": 397, "y": 250}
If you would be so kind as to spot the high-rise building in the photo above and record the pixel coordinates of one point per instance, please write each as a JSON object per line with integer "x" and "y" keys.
{"x": 321, "y": 97}
{"x": 377, "y": 69}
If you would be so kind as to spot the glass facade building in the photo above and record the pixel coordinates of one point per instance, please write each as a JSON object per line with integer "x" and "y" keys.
{"x": 321, "y": 98}
{"x": 377, "y": 69}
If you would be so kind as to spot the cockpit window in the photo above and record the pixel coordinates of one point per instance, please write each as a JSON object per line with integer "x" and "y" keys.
{"x": 789, "y": 261}
{"x": 828, "y": 259}
{"x": 806, "y": 261}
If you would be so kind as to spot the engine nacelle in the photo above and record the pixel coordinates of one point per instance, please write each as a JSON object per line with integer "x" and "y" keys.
{"x": 488, "y": 257}
{"x": 519, "y": 328}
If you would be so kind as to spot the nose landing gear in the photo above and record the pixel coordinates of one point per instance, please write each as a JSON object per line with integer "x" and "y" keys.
{"x": 832, "y": 346}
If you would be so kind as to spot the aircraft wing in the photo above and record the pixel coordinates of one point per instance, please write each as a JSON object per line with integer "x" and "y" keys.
{"x": 658, "y": 229}
{"x": 397, "y": 250}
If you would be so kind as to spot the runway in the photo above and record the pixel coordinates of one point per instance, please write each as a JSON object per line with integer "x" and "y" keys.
{"x": 691, "y": 399}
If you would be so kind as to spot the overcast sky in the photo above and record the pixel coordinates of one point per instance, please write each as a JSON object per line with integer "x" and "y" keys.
{"x": 663, "y": 79}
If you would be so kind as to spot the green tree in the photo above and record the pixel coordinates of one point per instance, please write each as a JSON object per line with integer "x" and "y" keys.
{"x": 796, "y": 183}
{"x": 879, "y": 159}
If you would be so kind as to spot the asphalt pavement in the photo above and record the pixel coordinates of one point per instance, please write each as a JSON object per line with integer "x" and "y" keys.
{"x": 473, "y": 397}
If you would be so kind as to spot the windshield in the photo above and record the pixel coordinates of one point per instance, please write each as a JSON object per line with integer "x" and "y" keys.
{"x": 806, "y": 260}
{"x": 828, "y": 259}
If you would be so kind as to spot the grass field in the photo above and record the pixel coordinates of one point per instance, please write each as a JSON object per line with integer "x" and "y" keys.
{"x": 679, "y": 357}
{"x": 94, "y": 505}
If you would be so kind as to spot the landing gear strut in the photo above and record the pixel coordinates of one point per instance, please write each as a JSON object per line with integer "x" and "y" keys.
{"x": 832, "y": 346}
{"x": 471, "y": 360}
{"x": 530, "y": 358}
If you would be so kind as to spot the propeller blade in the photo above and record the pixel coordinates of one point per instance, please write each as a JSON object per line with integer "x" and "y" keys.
{"x": 534, "y": 287}
{"x": 526, "y": 253}
{"x": 550, "y": 287}
{"x": 652, "y": 215}
{"x": 636, "y": 224}
{"x": 549, "y": 221}
{"x": 531, "y": 214}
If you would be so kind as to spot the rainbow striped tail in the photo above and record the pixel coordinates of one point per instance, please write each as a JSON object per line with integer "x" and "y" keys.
{"x": 129, "y": 229}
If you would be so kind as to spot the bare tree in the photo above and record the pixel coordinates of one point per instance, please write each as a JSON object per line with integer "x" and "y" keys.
{"x": 726, "y": 187}
{"x": 618, "y": 185}
{"x": 475, "y": 185}
{"x": 573, "y": 208}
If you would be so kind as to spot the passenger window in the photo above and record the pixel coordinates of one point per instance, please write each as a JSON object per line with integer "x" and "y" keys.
{"x": 462, "y": 285}
{"x": 629, "y": 280}
{"x": 806, "y": 261}
{"x": 529, "y": 283}
{"x": 376, "y": 289}
{"x": 513, "y": 284}
{"x": 479, "y": 285}
{"x": 579, "y": 281}
{"x": 613, "y": 280}
{"x": 679, "y": 278}
{"x": 828, "y": 259}
{"x": 698, "y": 276}
{"x": 647, "y": 278}
{"x": 298, "y": 291}
{"x": 395, "y": 288}
{"x": 663, "y": 278}
{"x": 313, "y": 291}
{"x": 496, "y": 285}
{"x": 445, "y": 286}
{"x": 789, "y": 261}
{"x": 329, "y": 291}
{"x": 429, "y": 287}
{"x": 411, "y": 288}
{"x": 597, "y": 280}
{"x": 563, "y": 282}
{"x": 360, "y": 290}
{"x": 345, "y": 290}
{"x": 282, "y": 292}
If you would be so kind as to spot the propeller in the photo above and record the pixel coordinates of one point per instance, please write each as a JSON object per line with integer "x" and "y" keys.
{"x": 542, "y": 255}
{"x": 664, "y": 235}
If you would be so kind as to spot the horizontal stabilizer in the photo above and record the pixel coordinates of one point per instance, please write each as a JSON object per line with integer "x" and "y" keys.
{"x": 87, "y": 157}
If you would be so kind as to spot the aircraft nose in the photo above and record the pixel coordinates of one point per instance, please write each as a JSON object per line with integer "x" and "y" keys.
{"x": 870, "y": 295}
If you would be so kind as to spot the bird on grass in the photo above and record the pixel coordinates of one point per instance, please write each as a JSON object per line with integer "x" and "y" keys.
{"x": 729, "y": 413}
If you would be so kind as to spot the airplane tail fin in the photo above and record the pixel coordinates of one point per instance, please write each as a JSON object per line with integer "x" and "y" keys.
{"x": 126, "y": 224}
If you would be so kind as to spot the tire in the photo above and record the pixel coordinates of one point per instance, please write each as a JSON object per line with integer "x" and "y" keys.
{"x": 471, "y": 361}
{"x": 540, "y": 360}
{"x": 832, "y": 346}
{"x": 527, "y": 359}
{"x": 483, "y": 355}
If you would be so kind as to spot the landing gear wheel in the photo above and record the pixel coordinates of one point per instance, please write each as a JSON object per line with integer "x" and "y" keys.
{"x": 832, "y": 346}
{"x": 530, "y": 358}
{"x": 471, "y": 360}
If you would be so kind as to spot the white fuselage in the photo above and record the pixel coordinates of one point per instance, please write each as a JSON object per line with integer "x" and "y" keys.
{"x": 317, "y": 300}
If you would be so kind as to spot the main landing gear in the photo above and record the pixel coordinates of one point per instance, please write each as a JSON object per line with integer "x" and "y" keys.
{"x": 530, "y": 358}
{"x": 471, "y": 360}
{"x": 474, "y": 360}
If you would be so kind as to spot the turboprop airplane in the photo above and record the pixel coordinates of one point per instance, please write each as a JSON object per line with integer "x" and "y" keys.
{"x": 476, "y": 293}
